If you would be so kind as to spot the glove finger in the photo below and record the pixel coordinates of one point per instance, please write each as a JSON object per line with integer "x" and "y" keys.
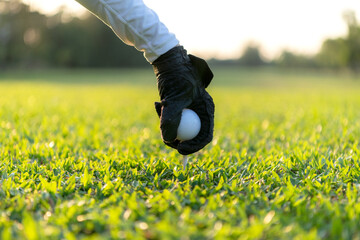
{"x": 205, "y": 109}
{"x": 173, "y": 144}
{"x": 170, "y": 120}
{"x": 158, "y": 108}
{"x": 203, "y": 70}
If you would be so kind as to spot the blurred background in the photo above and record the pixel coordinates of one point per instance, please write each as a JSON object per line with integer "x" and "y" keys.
{"x": 62, "y": 34}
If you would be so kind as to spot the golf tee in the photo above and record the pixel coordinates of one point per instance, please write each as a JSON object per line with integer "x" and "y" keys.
{"x": 185, "y": 160}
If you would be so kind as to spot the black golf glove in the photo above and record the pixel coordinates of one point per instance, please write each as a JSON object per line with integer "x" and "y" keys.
{"x": 181, "y": 81}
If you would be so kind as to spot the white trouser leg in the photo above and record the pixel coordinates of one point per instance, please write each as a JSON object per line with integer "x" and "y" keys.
{"x": 135, "y": 24}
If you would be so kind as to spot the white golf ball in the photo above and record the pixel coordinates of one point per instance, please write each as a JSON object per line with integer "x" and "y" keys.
{"x": 189, "y": 126}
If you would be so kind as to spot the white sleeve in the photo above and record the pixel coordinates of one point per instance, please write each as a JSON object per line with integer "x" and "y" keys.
{"x": 135, "y": 24}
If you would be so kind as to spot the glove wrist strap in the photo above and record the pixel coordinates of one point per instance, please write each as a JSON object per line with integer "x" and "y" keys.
{"x": 173, "y": 58}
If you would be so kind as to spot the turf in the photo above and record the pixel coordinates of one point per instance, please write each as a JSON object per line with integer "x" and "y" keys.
{"x": 81, "y": 158}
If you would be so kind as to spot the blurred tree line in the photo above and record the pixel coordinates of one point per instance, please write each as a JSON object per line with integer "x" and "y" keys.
{"x": 31, "y": 39}
{"x": 339, "y": 53}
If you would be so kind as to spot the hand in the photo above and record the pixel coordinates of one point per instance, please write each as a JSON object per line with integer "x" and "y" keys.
{"x": 182, "y": 80}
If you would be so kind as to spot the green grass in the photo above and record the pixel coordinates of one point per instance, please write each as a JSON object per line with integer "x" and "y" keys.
{"x": 81, "y": 158}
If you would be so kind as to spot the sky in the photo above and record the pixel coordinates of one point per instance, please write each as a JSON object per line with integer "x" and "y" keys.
{"x": 222, "y": 29}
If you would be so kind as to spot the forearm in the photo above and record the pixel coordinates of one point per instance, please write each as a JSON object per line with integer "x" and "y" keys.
{"x": 135, "y": 24}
